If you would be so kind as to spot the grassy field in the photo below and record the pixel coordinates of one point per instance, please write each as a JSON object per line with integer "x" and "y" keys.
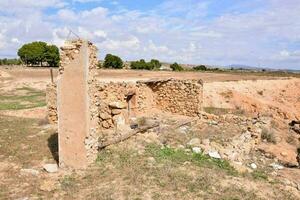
{"x": 22, "y": 98}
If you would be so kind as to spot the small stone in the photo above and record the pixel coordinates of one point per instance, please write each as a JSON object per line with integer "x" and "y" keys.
{"x": 51, "y": 168}
{"x": 298, "y": 186}
{"x": 151, "y": 160}
{"x": 206, "y": 142}
{"x": 105, "y": 116}
{"x": 276, "y": 166}
{"x": 284, "y": 154}
{"x": 116, "y": 111}
{"x": 196, "y": 150}
{"x": 194, "y": 142}
{"x": 214, "y": 154}
{"x": 253, "y": 166}
{"x": 30, "y": 171}
{"x": 118, "y": 105}
{"x": 214, "y": 123}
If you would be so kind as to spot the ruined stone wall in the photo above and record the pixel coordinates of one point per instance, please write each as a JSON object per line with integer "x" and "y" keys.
{"x": 182, "y": 97}
{"x": 51, "y": 101}
{"x": 109, "y": 100}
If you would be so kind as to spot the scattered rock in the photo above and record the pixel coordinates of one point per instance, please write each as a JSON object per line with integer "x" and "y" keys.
{"x": 253, "y": 166}
{"x": 51, "y": 168}
{"x": 276, "y": 166}
{"x": 194, "y": 142}
{"x": 196, "y": 149}
{"x": 30, "y": 171}
{"x": 214, "y": 154}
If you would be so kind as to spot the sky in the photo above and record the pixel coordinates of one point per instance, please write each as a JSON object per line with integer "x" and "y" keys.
{"x": 262, "y": 33}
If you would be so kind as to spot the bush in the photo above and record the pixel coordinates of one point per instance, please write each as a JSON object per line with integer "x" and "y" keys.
{"x": 142, "y": 64}
{"x": 269, "y": 136}
{"x": 112, "y": 61}
{"x": 176, "y": 67}
{"x": 200, "y": 68}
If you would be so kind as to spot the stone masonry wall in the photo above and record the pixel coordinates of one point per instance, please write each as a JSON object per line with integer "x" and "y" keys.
{"x": 179, "y": 96}
{"x": 109, "y": 99}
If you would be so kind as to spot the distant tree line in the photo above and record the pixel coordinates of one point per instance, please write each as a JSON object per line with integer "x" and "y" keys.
{"x": 10, "y": 61}
{"x": 39, "y": 54}
{"x": 115, "y": 62}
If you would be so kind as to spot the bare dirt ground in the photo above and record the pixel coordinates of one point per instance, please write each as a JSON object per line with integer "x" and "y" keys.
{"x": 241, "y": 112}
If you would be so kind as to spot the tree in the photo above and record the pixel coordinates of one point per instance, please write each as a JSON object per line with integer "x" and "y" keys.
{"x": 37, "y": 53}
{"x": 156, "y": 64}
{"x": 200, "y": 68}
{"x": 142, "y": 64}
{"x": 176, "y": 67}
{"x": 112, "y": 61}
{"x": 52, "y": 55}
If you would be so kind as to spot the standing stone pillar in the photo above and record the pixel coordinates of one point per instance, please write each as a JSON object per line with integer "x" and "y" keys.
{"x": 75, "y": 121}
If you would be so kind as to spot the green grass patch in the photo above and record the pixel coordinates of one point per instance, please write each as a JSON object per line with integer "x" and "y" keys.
{"x": 258, "y": 174}
{"x": 22, "y": 98}
{"x": 179, "y": 156}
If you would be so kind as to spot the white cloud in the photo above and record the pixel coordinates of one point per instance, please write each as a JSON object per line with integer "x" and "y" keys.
{"x": 67, "y": 15}
{"x": 175, "y": 30}
{"x": 131, "y": 43}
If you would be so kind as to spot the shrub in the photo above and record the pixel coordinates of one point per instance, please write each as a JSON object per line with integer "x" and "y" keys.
{"x": 269, "y": 136}
{"x": 200, "y": 68}
{"x": 176, "y": 67}
{"x": 112, "y": 61}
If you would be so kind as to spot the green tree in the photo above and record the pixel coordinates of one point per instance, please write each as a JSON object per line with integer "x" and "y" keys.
{"x": 52, "y": 55}
{"x": 142, "y": 64}
{"x": 176, "y": 67}
{"x": 200, "y": 68}
{"x": 37, "y": 53}
{"x": 156, "y": 64}
{"x": 112, "y": 61}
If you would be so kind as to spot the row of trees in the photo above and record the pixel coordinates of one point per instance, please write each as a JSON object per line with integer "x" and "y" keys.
{"x": 39, "y": 54}
{"x": 115, "y": 62}
{"x": 10, "y": 61}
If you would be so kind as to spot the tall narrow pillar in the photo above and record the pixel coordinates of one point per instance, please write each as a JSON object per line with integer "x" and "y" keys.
{"x": 73, "y": 105}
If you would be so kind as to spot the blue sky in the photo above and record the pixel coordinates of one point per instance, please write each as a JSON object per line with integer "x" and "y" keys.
{"x": 262, "y": 33}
